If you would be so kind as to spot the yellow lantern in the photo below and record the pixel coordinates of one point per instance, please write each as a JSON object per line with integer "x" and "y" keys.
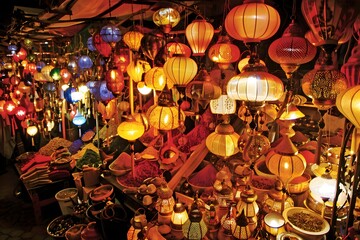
{"x": 137, "y": 68}
{"x": 199, "y": 34}
{"x": 245, "y": 61}
{"x": 274, "y": 223}
{"x": 46, "y": 72}
{"x": 252, "y": 21}
{"x": 155, "y": 78}
{"x": 223, "y": 105}
{"x": 241, "y": 230}
{"x": 32, "y": 131}
{"x": 133, "y": 39}
{"x": 166, "y": 18}
{"x": 130, "y": 129}
{"x": 179, "y": 216}
{"x": 224, "y": 141}
{"x": 180, "y": 70}
{"x": 224, "y": 52}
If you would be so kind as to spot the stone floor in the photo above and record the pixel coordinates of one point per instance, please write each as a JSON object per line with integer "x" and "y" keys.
{"x": 17, "y": 220}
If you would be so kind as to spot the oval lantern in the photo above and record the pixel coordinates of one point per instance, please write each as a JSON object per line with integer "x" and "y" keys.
{"x": 40, "y": 65}
{"x": 49, "y": 87}
{"x": 65, "y": 75}
{"x": 105, "y": 93}
{"x": 55, "y": 74}
{"x": 224, "y": 52}
{"x": 9, "y": 107}
{"x": 348, "y": 104}
{"x": 67, "y": 94}
{"x": 133, "y": 40}
{"x": 151, "y": 44}
{"x": 20, "y": 55}
{"x": 103, "y": 47}
{"x": 46, "y": 72}
{"x": 110, "y": 34}
{"x": 114, "y": 81}
{"x": 20, "y": 112}
{"x": 180, "y": 70}
{"x": 85, "y": 62}
{"x": 137, "y": 68}
{"x": 155, "y": 78}
{"x": 90, "y": 44}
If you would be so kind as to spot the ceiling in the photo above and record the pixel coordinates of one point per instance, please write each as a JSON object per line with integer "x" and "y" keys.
{"x": 60, "y": 20}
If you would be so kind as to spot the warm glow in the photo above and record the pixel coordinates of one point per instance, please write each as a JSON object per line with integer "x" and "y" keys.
{"x": 223, "y": 105}
{"x": 76, "y": 96}
{"x": 137, "y": 69}
{"x": 166, "y": 18}
{"x": 64, "y": 87}
{"x": 323, "y": 187}
{"x": 50, "y": 125}
{"x": 164, "y": 118}
{"x": 155, "y": 78}
{"x": 130, "y": 129}
{"x": 179, "y": 215}
{"x": 274, "y": 223}
{"x": 83, "y": 89}
{"x": 253, "y": 21}
{"x": 245, "y": 61}
{"x": 348, "y": 103}
{"x": 32, "y": 130}
{"x": 143, "y": 89}
{"x": 133, "y": 39}
{"x": 180, "y": 70}
{"x": 199, "y": 34}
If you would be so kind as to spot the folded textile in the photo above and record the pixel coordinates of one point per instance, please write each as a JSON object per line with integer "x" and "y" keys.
{"x": 37, "y": 159}
{"x": 59, "y": 174}
{"x": 35, "y": 169}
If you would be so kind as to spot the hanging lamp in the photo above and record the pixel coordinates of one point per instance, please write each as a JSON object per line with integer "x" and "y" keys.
{"x": 199, "y": 34}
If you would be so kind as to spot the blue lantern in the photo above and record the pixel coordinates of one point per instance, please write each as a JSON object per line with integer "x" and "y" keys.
{"x": 110, "y": 34}
{"x": 67, "y": 94}
{"x": 85, "y": 62}
{"x": 79, "y": 119}
{"x": 40, "y": 65}
{"x": 90, "y": 44}
{"x": 105, "y": 93}
{"x": 12, "y": 47}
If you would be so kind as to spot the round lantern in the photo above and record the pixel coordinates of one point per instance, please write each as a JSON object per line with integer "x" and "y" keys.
{"x": 255, "y": 84}
{"x": 223, "y": 141}
{"x": 143, "y": 88}
{"x": 329, "y": 20}
{"x": 180, "y": 70}
{"x": 38, "y": 76}
{"x": 67, "y": 94}
{"x": 46, "y": 72}
{"x": 166, "y": 18}
{"x": 133, "y": 40}
{"x": 20, "y": 112}
{"x": 90, "y": 44}
{"x": 103, "y": 47}
{"x": 348, "y": 104}
{"x": 165, "y": 115}
{"x": 105, "y": 94}
{"x": 310, "y": 36}
{"x": 85, "y": 62}
{"x": 110, "y": 34}
{"x": 49, "y": 87}
{"x": 114, "y": 81}
{"x": 72, "y": 66}
{"x": 285, "y": 161}
{"x": 32, "y": 131}
{"x": 245, "y": 61}
{"x": 323, "y": 84}
{"x": 55, "y": 74}
{"x": 130, "y": 129}
{"x": 224, "y": 52}
{"x": 253, "y": 21}
{"x": 9, "y": 107}
{"x": 199, "y": 34}
{"x": 121, "y": 58}
{"x": 291, "y": 50}
{"x": 137, "y": 68}
{"x": 155, "y": 78}
{"x": 151, "y": 44}
{"x": 78, "y": 119}
{"x": 32, "y": 68}
{"x": 14, "y": 80}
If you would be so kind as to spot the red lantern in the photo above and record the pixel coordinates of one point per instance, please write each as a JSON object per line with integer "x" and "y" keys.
{"x": 14, "y": 80}
{"x": 9, "y": 107}
{"x": 122, "y": 58}
{"x": 31, "y": 68}
{"x": 21, "y": 55}
{"x": 65, "y": 75}
{"x": 20, "y": 112}
{"x": 103, "y": 47}
{"x": 114, "y": 81}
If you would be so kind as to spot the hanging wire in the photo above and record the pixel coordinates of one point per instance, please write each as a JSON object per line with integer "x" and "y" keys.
{"x": 110, "y": 8}
{"x": 293, "y": 13}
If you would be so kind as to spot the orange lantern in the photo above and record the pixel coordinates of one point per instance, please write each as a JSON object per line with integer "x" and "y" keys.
{"x": 65, "y": 75}
{"x": 199, "y": 34}
{"x": 180, "y": 70}
{"x": 177, "y": 48}
{"x": 348, "y": 104}
{"x": 224, "y": 52}
{"x": 253, "y": 21}
{"x": 31, "y": 68}
{"x": 20, "y": 112}
{"x": 20, "y": 55}
{"x": 9, "y": 107}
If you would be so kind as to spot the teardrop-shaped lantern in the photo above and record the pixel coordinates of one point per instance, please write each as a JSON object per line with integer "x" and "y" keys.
{"x": 199, "y": 34}
{"x": 166, "y": 18}
{"x": 137, "y": 68}
{"x": 151, "y": 43}
{"x": 133, "y": 39}
{"x": 348, "y": 103}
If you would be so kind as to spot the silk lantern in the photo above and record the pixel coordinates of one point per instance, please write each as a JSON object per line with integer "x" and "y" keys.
{"x": 151, "y": 44}
{"x": 199, "y": 34}
{"x": 133, "y": 39}
{"x": 103, "y": 47}
{"x": 20, "y": 112}
{"x": 166, "y": 18}
{"x": 137, "y": 68}
{"x": 224, "y": 52}
{"x": 177, "y": 48}
{"x": 110, "y": 34}
{"x": 115, "y": 81}
{"x": 252, "y": 21}
{"x": 180, "y": 70}
{"x": 155, "y": 78}
{"x": 90, "y": 44}
{"x": 85, "y": 62}
{"x": 55, "y": 74}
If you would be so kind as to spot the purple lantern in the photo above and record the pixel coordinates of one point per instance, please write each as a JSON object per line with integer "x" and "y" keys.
{"x": 85, "y": 62}
{"x": 40, "y": 65}
{"x": 90, "y": 44}
{"x": 110, "y": 34}
{"x": 105, "y": 93}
